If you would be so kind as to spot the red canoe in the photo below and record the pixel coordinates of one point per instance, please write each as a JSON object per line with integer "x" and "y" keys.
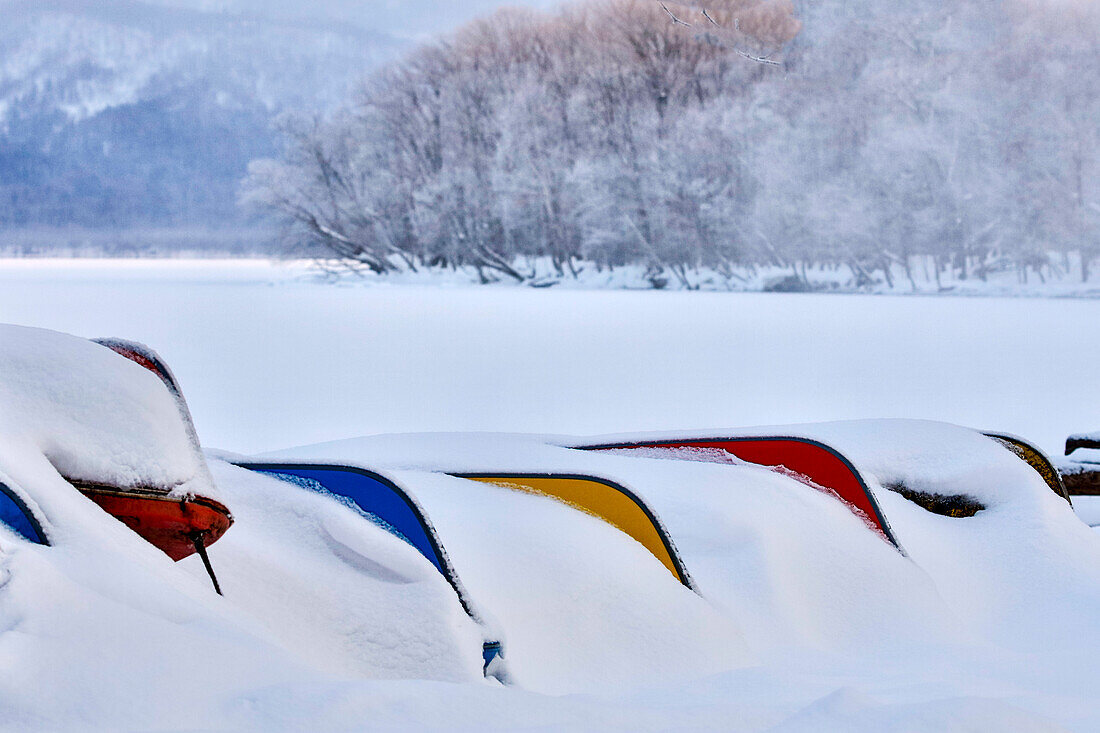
{"x": 804, "y": 459}
{"x": 178, "y": 526}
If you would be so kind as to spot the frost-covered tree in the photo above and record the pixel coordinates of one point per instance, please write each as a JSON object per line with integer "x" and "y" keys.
{"x": 947, "y": 139}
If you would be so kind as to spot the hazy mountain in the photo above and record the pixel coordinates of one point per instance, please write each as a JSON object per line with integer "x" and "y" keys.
{"x": 402, "y": 18}
{"x": 121, "y": 114}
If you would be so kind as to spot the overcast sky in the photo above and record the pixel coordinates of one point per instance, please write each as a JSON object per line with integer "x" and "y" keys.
{"x": 406, "y": 18}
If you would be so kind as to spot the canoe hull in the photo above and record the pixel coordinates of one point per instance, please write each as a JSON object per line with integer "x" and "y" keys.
{"x": 169, "y": 523}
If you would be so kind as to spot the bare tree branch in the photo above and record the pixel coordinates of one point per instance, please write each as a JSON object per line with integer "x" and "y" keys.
{"x": 757, "y": 59}
{"x": 736, "y": 37}
{"x": 675, "y": 20}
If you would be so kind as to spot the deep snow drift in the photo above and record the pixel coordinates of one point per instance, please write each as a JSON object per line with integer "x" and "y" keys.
{"x": 991, "y": 606}
{"x": 91, "y": 414}
{"x": 104, "y": 630}
{"x": 805, "y": 619}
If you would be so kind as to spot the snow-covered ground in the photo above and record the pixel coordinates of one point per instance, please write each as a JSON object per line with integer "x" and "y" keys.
{"x": 805, "y": 619}
{"x": 269, "y": 357}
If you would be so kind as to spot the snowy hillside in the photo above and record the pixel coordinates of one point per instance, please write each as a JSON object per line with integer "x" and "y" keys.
{"x": 401, "y": 18}
{"x": 123, "y": 113}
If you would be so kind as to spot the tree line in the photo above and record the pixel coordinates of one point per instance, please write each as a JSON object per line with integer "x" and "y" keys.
{"x": 724, "y": 137}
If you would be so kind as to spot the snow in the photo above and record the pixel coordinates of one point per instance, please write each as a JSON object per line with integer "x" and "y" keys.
{"x": 804, "y": 620}
{"x": 360, "y": 359}
{"x": 1089, "y": 435}
{"x": 583, "y": 609}
{"x": 816, "y": 596}
{"x": 103, "y": 630}
{"x": 1088, "y": 509}
{"x": 347, "y": 600}
{"x": 93, "y": 415}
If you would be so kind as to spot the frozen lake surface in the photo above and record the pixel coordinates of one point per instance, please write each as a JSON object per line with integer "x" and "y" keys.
{"x": 270, "y": 356}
